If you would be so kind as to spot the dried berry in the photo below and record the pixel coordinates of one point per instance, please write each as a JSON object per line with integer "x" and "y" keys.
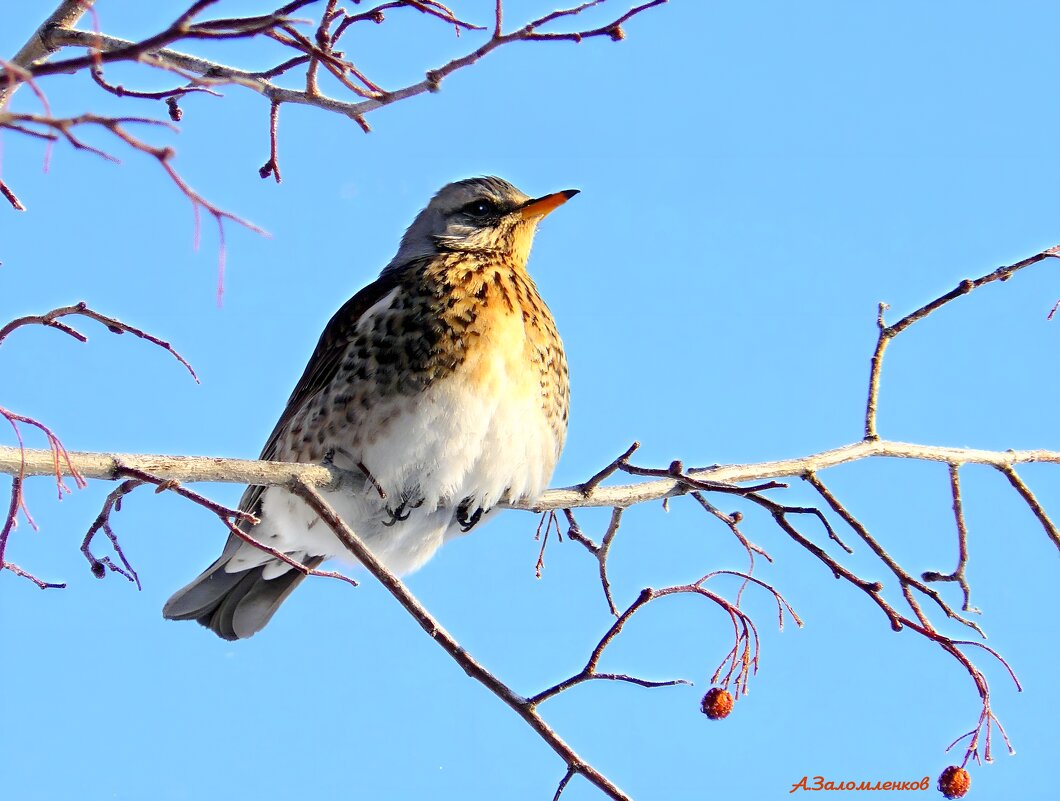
{"x": 954, "y": 782}
{"x": 717, "y": 703}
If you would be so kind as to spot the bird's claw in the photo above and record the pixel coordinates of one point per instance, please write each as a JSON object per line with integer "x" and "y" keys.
{"x": 403, "y": 512}
{"x": 466, "y": 518}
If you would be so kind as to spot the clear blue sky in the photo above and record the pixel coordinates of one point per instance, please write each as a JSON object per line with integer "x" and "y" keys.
{"x": 756, "y": 177}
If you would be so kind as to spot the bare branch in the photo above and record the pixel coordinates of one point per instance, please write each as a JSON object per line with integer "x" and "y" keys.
{"x": 601, "y": 551}
{"x": 165, "y": 94}
{"x": 563, "y": 783}
{"x": 272, "y": 166}
{"x": 904, "y": 578}
{"x": 548, "y": 520}
{"x": 154, "y": 51}
{"x": 732, "y": 521}
{"x": 64, "y": 128}
{"x": 231, "y": 518}
{"x": 588, "y": 486}
{"x": 12, "y": 516}
{"x": 889, "y": 332}
{"x": 98, "y": 566}
{"x": 448, "y": 643}
{"x": 66, "y": 14}
{"x": 1032, "y": 502}
{"x": 247, "y": 471}
{"x": 958, "y": 573}
{"x": 81, "y": 309}
{"x": 11, "y": 197}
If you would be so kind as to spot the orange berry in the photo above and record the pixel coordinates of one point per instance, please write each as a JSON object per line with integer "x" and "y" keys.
{"x": 954, "y": 782}
{"x": 717, "y": 703}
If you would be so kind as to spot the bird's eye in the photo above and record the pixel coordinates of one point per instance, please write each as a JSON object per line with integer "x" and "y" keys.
{"x": 479, "y": 209}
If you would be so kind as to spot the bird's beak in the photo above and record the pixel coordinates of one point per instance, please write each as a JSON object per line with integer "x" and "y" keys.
{"x": 539, "y": 207}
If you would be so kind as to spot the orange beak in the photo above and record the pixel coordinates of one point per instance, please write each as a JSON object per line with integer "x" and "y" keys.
{"x": 541, "y": 206}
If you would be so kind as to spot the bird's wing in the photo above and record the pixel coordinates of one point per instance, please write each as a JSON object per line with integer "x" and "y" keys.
{"x": 322, "y": 366}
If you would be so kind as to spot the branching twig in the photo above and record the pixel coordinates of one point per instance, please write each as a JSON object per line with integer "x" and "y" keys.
{"x": 155, "y": 51}
{"x": 232, "y": 519}
{"x": 98, "y": 566}
{"x": 733, "y": 521}
{"x": 743, "y": 657}
{"x": 601, "y": 551}
{"x": 65, "y": 128}
{"x": 57, "y": 451}
{"x": 53, "y": 319}
{"x": 588, "y": 486}
{"x": 590, "y": 672}
{"x": 57, "y": 455}
{"x": 904, "y": 578}
{"x": 548, "y": 520}
{"x": 958, "y": 573}
{"x": 889, "y": 332}
{"x": 448, "y": 643}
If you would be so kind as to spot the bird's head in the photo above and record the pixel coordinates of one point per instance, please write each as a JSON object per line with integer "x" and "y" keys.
{"x": 486, "y": 215}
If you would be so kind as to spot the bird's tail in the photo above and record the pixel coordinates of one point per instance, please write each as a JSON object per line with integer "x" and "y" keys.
{"x": 234, "y": 605}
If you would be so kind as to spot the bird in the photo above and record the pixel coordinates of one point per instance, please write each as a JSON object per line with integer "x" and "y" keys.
{"x": 442, "y": 387}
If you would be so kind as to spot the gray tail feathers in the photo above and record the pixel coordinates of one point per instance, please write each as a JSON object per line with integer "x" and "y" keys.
{"x": 233, "y": 605}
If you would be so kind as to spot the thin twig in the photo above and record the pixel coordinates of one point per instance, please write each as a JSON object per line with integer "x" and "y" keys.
{"x": 732, "y": 521}
{"x": 165, "y": 94}
{"x": 449, "y": 644}
{"x": 889, "y": 332}
{"x": 958, "y": 573}
{"x": 11, "y": 197}
{"x": 563, "y": 783}
{"x": 52, "y": 319}
{"x": 154, "y": 51}
{"x": 234, "y": 520}
{"x": 548, "y": 519}
{"x": 905, "y": 579}
{"x": 588, "y": 486}
{"x": 272, "y": 166}
{"x": 98, "y": 566}
{"x": 1032, "y": 502}
{"x": 601, "y": 551}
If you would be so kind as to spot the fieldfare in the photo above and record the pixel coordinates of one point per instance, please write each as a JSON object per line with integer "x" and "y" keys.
{"x": 443, "y": 383}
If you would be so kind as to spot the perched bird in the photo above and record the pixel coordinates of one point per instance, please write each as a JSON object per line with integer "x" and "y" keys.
{"x": 444, "y": 383}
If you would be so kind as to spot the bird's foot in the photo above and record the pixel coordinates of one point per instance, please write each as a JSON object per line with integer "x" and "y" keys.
{"x": 466, "y": 517}
{"x": 403, "y": 511}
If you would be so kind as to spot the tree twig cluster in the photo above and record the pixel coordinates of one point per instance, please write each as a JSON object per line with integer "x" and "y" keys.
{"x": 307, "y": 50}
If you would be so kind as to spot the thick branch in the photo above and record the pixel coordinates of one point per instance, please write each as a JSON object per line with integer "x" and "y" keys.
{"x": 247, "y": 471}
{"x": 37, "y": 47}
{"x": 184, "y": 469}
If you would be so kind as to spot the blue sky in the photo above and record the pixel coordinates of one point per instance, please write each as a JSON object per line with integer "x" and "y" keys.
{"x": 756, "y": 177}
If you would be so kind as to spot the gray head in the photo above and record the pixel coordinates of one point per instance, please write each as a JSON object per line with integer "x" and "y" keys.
{"x": 477, "y": 214}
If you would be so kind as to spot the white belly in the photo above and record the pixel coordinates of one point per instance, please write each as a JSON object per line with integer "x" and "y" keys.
{"x": 479, "y": 433}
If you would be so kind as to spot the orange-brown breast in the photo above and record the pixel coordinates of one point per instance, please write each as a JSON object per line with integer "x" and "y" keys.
{"x": 509, "y": 342}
